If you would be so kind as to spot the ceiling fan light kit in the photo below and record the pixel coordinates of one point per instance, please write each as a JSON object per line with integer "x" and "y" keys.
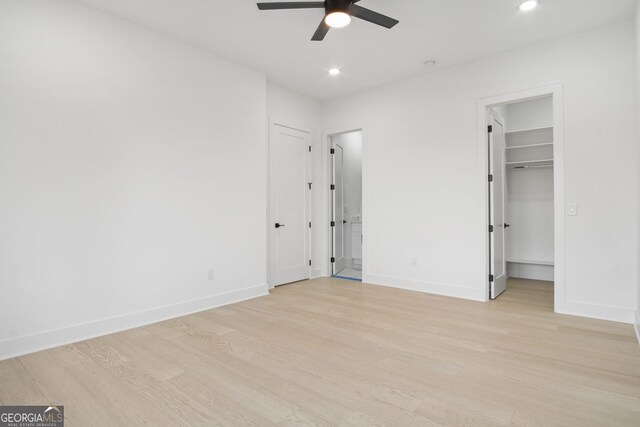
{"x": 528, "y": 5}
{"x": 337, "y": 19}
{"x": 337, "y": 14}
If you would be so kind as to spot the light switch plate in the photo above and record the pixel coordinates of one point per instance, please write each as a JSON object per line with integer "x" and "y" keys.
{"x": 573, "y": 209}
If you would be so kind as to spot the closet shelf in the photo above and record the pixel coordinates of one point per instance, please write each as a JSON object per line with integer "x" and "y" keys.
{"x": 519, "y": 132}
{"x": 543, "y": 163}
{"x": 519, "y": 147}
{"x": 533, "y": 262}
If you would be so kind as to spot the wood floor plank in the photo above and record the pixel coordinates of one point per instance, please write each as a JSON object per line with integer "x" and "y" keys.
{"x": 16, "y": 385}
{"x": 331, "y": 352}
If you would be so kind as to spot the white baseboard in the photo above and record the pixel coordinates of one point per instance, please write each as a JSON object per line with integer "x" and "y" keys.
{"x": 427, "y": 287}
{"x": 636, "y": 325}
{"x": 593, "y": 311}
{"x": 614, "y": 314}
{"x": 316, "y": 273}
{"x": 530, "y": 271}
{"x": 14, "y": 347}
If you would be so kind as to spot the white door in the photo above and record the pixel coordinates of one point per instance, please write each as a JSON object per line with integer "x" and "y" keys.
{"x": 338, "y": 209}
{"x": 288, "y": 206}
{"x": 498, "y": 267}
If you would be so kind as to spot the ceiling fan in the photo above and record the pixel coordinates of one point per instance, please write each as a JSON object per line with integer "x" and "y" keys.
{"x": 337, "y": 14}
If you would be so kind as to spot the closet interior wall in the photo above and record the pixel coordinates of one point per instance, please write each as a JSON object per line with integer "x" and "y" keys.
{"x": 529, "y": 187}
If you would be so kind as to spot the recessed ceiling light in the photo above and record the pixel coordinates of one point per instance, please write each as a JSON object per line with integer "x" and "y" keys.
{"x": 528, "y": 5}
{"x": 334, "y": 71}
{"x": 337, "y": 19}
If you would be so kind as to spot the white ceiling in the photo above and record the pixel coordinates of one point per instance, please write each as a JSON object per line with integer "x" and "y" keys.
{"x": 449, "y": 31}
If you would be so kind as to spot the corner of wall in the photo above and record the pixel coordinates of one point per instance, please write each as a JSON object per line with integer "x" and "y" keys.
{"x": 637, "y": 320}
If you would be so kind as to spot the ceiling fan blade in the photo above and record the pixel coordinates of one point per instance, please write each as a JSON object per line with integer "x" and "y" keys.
{"x": 291, "y": 5}
{"x": 371, "y": 16}
{"x": 322, "y": 31}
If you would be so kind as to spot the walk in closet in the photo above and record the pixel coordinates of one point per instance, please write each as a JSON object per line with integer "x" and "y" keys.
{"x": 529, "y": 201}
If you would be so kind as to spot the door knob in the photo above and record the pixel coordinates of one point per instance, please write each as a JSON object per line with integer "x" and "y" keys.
{"x": 278, "y": 225}
{"x": 507, "y": 225}
{"x": 344, "y": 221}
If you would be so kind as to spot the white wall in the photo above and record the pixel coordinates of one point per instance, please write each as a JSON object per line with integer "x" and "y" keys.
{"x": 130, "y": 165}
{"x": 532, "y": 114}
{"x": 638, "y": 143}
{"x": 422, "y": 165}
{"x": 352, "y": 176}
{"x": 530, "y": 214}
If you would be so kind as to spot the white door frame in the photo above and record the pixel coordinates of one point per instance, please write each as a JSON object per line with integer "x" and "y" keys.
{"x": 269, "y": 219}
{"x": 556, "y": 91}
{"x": 327, "y": 197}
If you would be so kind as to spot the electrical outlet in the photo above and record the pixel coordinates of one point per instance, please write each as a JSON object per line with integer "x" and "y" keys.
{"x": 212, "y": 275}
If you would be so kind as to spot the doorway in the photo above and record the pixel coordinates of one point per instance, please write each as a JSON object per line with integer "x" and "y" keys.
{"x": 521, "y": 195}
{"x": 346, "y": 205}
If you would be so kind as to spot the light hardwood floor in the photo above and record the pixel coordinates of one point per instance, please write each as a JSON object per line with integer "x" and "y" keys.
{"x": 335, "y": 352}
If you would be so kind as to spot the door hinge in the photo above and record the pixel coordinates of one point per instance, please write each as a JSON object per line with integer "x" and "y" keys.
{"x": 491, "y": 277}
{"x": 310, "y": 185}
{"x": 490, "y": 128}
{"x": 333, "y": 259}
{"x": 333, "y": 223}
{"x": 332, "y": 151}
{"x": 309, "y": 148}
{"x": 332, "y": 187}
{"x": 490, "y": 178}
{"x": 309, "y": 262}
{"x": 491, "y": 229}
{"x": 309, "y": 224}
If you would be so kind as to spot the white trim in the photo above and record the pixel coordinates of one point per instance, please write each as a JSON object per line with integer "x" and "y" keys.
{"x": 444, "y": 289}
{"x": 14, "y": 347}
{"x": 317, "y": 274}
{"x": 593, "y": 311}
{"x": 555, "y": 90}
{"x": 636, "y": 325}
{"x": 530, "y": 270}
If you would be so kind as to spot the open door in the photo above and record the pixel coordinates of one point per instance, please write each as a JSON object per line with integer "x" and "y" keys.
{"x": 338, "y": 220}
{"x": 498, "y": 262}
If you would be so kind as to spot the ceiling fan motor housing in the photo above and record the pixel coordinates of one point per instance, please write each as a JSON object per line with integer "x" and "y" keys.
{"x": 337, "y": 6}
